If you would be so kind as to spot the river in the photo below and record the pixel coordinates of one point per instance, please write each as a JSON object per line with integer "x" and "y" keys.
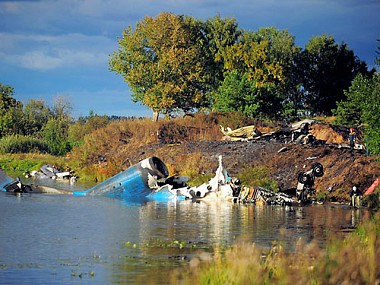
{"x": 65, "y": 239}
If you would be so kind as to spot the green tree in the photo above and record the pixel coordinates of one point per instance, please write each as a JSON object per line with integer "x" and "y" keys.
{"x": 362, "y": 108}
{"x": 36, "y": 115}
{"x": 349, "y": 111}
{"x": 84, "y": 126}
{"x": 163, "y": 62}
{"x": 327, "y": 69}
{"x": 56, "y": 130}
{"x": 371, "y": 116}
{"x": 10, "y": 112}
{"x": 220, "y": 34}
{"x": 55, "y": 133}
{"x": 237, "y": 93}
{"x": 251, "y": 57}
{"x": 283, "y": 51}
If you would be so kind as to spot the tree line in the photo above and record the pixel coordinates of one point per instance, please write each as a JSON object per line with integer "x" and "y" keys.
{"x": 41, "y": 128}
{"x": 175, "y": 63}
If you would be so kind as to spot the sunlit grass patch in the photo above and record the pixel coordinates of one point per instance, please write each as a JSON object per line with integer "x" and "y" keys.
{"x": 17, "y": 164}
{"x": 258, "y": 176}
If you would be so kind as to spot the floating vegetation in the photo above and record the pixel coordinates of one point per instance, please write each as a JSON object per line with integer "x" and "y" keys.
{"x": 181, "y": 244}
{"x": 81, "y": 275}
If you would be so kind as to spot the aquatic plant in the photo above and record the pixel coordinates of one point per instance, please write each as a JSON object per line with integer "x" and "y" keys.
{"x": 353, "y": 261}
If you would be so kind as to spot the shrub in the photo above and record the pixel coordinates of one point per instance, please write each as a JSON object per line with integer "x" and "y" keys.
{"x": 22, "y": 144}
{"x": 17, "y": 164}
{"x": 258, "y": 176}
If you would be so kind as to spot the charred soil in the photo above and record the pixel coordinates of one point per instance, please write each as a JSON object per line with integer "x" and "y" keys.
{"x": 343, "y": 167}
{"x": 191, "y": 146}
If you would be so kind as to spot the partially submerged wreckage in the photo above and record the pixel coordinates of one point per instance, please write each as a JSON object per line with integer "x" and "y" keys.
{"x": 52, "y": 172}
{"x": 149, "y": 180}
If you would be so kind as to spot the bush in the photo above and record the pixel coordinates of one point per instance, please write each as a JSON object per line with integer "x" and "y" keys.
{"x": 55, "y": 134}
{"x": 258, "y": 176}
{"x": 18, "y": 163}
{"x": 22, "y": 144}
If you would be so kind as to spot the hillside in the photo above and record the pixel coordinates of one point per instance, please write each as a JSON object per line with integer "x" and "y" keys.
{"x": 343, "y": 169}
{"x": 191, "y": 147}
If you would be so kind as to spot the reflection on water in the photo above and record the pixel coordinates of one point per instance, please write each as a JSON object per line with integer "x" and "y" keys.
{"x": 59, "y": 239}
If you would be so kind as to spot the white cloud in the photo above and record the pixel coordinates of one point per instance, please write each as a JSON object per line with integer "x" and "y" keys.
{"x": 42, "y": 60}
{"x": 41, "y": 52}
{"x": 37, "y": 60}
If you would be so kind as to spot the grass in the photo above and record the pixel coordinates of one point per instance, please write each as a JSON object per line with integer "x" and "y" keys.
{"x": 17, "y": 164}
{"x": 354, "y": 260}
{"x": 258, "y": 176}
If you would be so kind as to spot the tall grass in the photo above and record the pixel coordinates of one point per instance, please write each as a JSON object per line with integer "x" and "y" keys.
{"x": 353, "y": 261}
{"x": 120, "y": 144}
{"x": 22, "y": 144}
{"x": 16, "y": 164}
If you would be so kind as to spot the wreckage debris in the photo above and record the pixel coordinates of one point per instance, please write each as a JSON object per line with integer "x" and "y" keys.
{"x": 244, "y": 133}
{"x": 262, "y": 195}
{"x": 134, "y": 183}
{"x": 16, "y": 186}
{"x": 303, "y": 132}
{"x": 48, "y": 171}
{"x": 149, "y": 179}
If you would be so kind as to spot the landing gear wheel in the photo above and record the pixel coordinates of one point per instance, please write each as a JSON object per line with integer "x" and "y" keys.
{"x": 304, "y": 178}
{"x": 317, "y": 169}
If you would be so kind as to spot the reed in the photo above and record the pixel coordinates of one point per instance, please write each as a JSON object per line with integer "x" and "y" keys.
{"x": 351, "y": 261}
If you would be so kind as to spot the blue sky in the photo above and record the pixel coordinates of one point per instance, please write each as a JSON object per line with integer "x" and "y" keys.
{"x": 53, "y": 48}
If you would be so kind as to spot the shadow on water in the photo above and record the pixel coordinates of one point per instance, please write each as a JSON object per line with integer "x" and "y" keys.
{"x": 61, "y": 239}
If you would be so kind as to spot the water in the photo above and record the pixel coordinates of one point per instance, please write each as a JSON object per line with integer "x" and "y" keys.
{"x": 64, "y": 239}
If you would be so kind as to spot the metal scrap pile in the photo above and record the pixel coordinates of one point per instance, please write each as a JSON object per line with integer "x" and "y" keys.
{"x": 262, "y": 195}
{"x": 307, "y": 131}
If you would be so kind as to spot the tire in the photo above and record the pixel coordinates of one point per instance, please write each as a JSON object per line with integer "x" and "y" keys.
{"x": 302, "y": 177}
{"x": 317, "y": 169}
{"x": 305, "y": 179}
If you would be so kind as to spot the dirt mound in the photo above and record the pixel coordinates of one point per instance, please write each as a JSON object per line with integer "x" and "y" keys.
{"x": 327, "y": 133}
{"x": 196, "y": 148}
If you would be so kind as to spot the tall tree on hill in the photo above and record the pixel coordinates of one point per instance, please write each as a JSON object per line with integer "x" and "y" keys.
{"x": 362, "y": 108}
{"x": 221, "y": 33}
{"x": 260, "y": 64}
{"x": 349, "y": 112}
{"x": 327, "y": 70}
{"x": 36, "y": 114}
{"x": 164, "y": 62}
{"x": 371, "y": 116}
{"x": 283, "y": 51}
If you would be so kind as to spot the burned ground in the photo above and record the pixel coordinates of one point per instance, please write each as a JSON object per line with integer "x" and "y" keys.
{"x": 186, "y": 145}
{"x": 180, "y": 149}
{"x": 342, "y": 168}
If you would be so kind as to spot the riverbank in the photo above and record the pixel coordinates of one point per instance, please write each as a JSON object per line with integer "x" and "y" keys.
{"x": 191, "y": 146}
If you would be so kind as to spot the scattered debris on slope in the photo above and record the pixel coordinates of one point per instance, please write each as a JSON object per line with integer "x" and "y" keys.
{"x": 281, "y": 152}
